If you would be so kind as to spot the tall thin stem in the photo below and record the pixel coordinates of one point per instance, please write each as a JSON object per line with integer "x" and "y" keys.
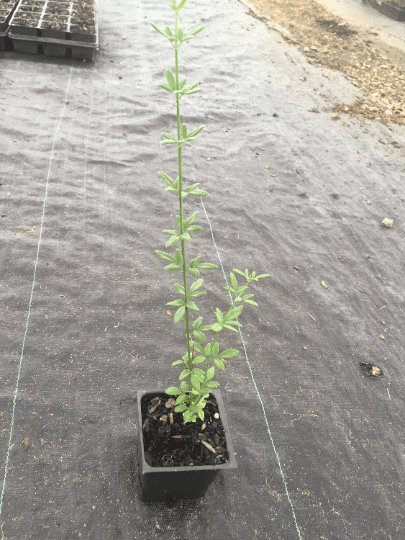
{"x": 183, "y": 250}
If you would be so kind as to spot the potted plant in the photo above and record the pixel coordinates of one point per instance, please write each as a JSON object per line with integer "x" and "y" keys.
{"x": 185, "y": 442}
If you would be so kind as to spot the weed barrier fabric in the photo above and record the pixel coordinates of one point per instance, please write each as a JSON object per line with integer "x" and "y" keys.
{"x": 318, "y": 437}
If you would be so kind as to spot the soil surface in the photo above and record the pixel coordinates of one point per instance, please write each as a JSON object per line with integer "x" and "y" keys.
{"x": 331, "y": 41}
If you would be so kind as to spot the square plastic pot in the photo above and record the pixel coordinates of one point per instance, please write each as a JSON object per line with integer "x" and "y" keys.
{"x": 161, "y": 483}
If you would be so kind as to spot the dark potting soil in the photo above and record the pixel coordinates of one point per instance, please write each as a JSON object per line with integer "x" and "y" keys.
{"x": 171, "y": 442}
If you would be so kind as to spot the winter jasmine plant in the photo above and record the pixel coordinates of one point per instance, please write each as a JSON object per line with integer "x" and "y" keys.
{"x": 191, "y": 398}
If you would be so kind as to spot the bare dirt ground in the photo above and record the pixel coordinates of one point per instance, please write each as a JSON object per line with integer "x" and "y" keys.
{"x": 329, "y": 40}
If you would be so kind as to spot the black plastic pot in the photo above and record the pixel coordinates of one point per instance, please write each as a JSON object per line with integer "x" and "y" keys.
{"x": 189, "y": 482}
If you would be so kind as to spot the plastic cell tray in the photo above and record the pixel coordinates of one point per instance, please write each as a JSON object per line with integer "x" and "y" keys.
{"x": 390, "y": 9}
{"x": 6, "y": 12}
{"x": 66, "y": 43}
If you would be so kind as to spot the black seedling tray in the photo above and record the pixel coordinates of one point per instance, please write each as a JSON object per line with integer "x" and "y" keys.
{"x": 390, "y": 9}
{"x": 66, "y": 43}
{"x": 4, "y": 23}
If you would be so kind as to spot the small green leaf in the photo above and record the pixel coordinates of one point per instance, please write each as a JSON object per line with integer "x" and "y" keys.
{"x": 176, "y": 303}
{"x": 172, "y": 391}
{"x": 200, "y": 336}
{"x": 197, "y": 323}
{"x": 190, "y": 305}
{"x": 186, "y": 237}
{"x": 228, "y": 288}
{"x": 210, "y": 373}
{"x": 172, "y": 267}
{"x": 251, "y": 303}
{"x": 197, "y": 346}
{"x": 179, "y": 314}
{"x": 169, "y": 75}
{"x": 158, "y": 29}
{"x": 196, "y": 131}
{"x": 206, "y": 265}
{"x": 234, "y": 282}
{"x": 199, "y": 359}
{"x": 179, "y": 288}
{"x": 212, "y": 384}
{"x": 165, "y": 87}
{"x": 179, "y": 257}
{"x": 177, "y": 362}
{"x": 164, "y": 256}
{"x": 193, "y": 217}
{"x": 173, "y": 240}
{"x": 219, "y": 315}
{"x": 216, "y": 327}
{"x": 218, "y": 363}
{"x": 196, "y": 285}
{"x": 184, "y": 374}
{"x": 229, "y": 353}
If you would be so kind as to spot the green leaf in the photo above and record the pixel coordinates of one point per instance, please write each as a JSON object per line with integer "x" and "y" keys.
{"x": 172, "y": 267}
{"x": 165, "y": 87}
{"x": 251, "y": 303}
{"x": 183, "y": 131}
{"x": 194, "y": 272}
{"x": 166, "y": 179}
{"x": 216, "y": 327}
{"x": 179, "y": 288}
{"x": 233, "y": 313}
{"x": 177, "y": 362}
{"x": 199, "y": 359}
{"x": 184, "y": 373}
{"x": 199, "y": 193}
{"x": 197, "y": 294}
{"x": 230, "y": 328}
{"x": 219, "y": 315}
{"x": 172, "y": 391}
{"x": 215, "y": 349}
{"x": 196, "y": 285}
{"x": 200, "y": 336}
{"x": 206, "y": 265}
{"x": 268, "y": 275}
{"x": 188, "y": 189}
{"x": 181, "y": 408}
{"x": 197, "y": 323}
{"x": 234, "y": 282}
{"x": 158, "y": 29}
{"x": 196, "y": 131}
{"x": 182, "y": 83}
{"x": 164, "y": 256}
{"x": 212, "y": 384}
{"x": 207, "y": 350}
{"x": 179, "y": 257}
{"x": 229, "y": 288}
{"x": 193, "y": 217}
{"x": 190, "y": 305}
{"x": 176, "y": 303}
{"x": 194, "y": 228}
{"x": 179, "y": 314}
{"x": 172, "y": 232}
{"x": 218, "y": 363}
{"x": 229, "y": 353}
{"x": 210, "y": 373}
{"x": 241, "y": 273}
{"x": 186, "y": 237}
{"x": 168, "y": 137}
{"x": 173, "y": 240}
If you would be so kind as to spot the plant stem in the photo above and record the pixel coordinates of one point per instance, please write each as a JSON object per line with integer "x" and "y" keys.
{"x": 183, "y": 250}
